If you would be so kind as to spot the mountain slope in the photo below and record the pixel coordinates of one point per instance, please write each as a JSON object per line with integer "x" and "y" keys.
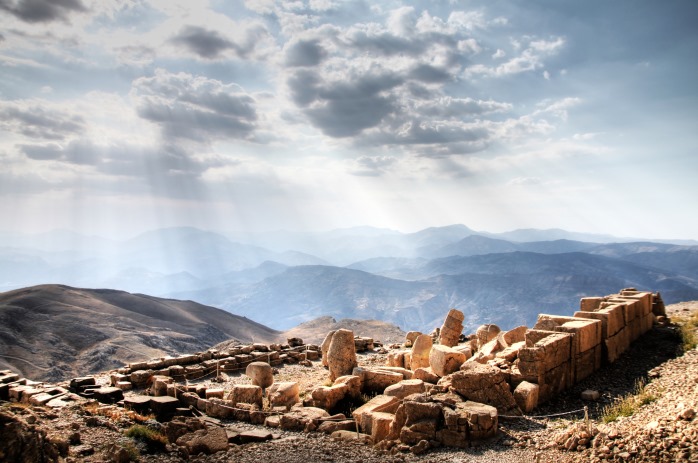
{"x": 54, "y": 331}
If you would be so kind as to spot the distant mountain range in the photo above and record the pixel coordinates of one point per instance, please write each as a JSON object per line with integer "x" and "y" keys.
{"x": 282, "y": 279}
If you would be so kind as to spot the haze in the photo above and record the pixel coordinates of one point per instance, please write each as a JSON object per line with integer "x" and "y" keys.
{"x": 120, "y": 117}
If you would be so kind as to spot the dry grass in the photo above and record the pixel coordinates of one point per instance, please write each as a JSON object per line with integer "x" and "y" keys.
{"x": 688, "y": 326}
{"x": 629, "y": 404}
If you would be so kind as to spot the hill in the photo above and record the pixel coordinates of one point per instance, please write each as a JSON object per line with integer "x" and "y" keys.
{"x": 54, "y": 332}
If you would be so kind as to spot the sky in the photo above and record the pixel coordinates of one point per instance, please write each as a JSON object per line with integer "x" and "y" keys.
{"x": 118, "y": 117}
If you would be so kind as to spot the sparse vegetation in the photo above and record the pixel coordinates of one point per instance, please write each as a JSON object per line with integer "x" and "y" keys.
{"x": 688, "y": 326}
{"x": 147, "y": 435}
{"x": 629, "y": 404}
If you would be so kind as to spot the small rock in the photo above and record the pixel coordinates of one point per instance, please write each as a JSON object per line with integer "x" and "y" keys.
{"x": 590, "y": 395}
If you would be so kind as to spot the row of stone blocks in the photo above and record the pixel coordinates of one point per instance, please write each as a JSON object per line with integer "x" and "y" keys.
{"x": 14, "y": 388}
{"x": 561, "y": 351}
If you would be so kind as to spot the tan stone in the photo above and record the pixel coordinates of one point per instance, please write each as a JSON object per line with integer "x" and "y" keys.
{"x": 325, "y": 346}
{"x": 377, "y": 380}
{"x": 328, "y": 397}
{"x": 452, "y": 328}
{"x": 260, "y": 373}
{"x": 246, "y": 393}
{"x": 512, "y": 352}
{"x": 302, "y": 418}
{"x": 405, "y": 388}
{"x": 421, "y": 348}
{"x": 341, "y": 355}
{"x": 590, "y": 304}
{"x": 485, "y": 333}
{"x": 426, "y": 375}
{"x": 396, "y": 359}
{"x": 412, "y": 336}
{"x": 526, "y": 396}
{"x": 485, "y": 384}
{"x": 283, "y": 394}
{"x": 444, "y": 360}
{"x": 380, "y": 403}
{"x": 514, "y": 335}
{"x": 380, "y": 425}
{"x": 353, "y": 384}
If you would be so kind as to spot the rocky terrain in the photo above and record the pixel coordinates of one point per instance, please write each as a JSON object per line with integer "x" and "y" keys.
{"x": 53, "y": 332}
{"x": 660, "y": 426}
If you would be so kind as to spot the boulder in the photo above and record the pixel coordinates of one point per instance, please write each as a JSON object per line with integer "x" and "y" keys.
{"x": 380, "y": 425}
{"x": 377, "y": 380}
{"x": 411, "y": 336}
{"x": 341, "y": 355}
{"x": 421, "y": 348}
{"x": 283, "y": 394}
{"x": 485, "y": 384}
{"x": 380, "y": 403}
{"x": 444, "y": 360}
{"x": 209, "y": 440}
{"x": 260, "y": 373}
{"x": 518, "y": 334}
{"x": 328, "y": 427}
{"x": 302, "y": 418}
{"x": 452, "y": 328}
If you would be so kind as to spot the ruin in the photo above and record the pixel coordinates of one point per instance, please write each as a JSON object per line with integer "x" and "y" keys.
{"x": 450, "y": 393}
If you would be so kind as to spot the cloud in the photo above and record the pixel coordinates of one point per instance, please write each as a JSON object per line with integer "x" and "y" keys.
{"x": 305, "y": 53}
{"x": 210, "y": 44}
{"x": 529, "y": 59}
{"x": 195, "y": 107}
{"x": 35, "y": 120}
{"x": 37, "y": 11}
{"x": 202, "y": 42}
{"x": 372, "y": 166}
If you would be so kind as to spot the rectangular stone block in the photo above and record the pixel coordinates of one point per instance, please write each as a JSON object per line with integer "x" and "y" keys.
{"x": 533, "y": 336}
{"x": 616, "y": 345}
{"x": 587, "y": 333}
{"x": 556, "y": 348}
{"x": 585, "y": 364}
{"x": 631, "y": 308}
{"x": 644, "y": 298}
{"x": 590, "y": 304}
{"x": 554, "y": 381}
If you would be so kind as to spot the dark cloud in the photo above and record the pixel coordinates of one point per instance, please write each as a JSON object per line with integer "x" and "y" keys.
{"x": 305, "y": 53}
{"x": 38, "y": 122}
{"x": 34, "y": 11}
{"x": 385, "y": 43}
{"x": 210, "y": 44}
{"x": 205, "y": 43}
{"x": 195, "y": 108}
{"x": 430, "y": 74}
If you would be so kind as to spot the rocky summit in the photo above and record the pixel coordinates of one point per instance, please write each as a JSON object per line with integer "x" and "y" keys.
{"x": 576, "y": 388}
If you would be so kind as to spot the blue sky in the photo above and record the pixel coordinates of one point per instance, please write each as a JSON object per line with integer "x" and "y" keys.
{"x": 118, "y": 117}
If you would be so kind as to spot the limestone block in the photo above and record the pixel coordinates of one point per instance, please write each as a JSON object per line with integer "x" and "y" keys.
{"x": 514, "y": 335}
{"x": 283, "y": 394}
{"x": 451, "y": 328}
{"x": 380, "y": 425}
{"x": 587, "y": 333}
{"x": 260, "y": 373}
{"x": 215, "y": 393}
{"x": 328, "y": 397}
{"x": 164, "y": 406}
{"x": 485, "y": 384}
{"x": 376, "y": 380}
{"x": 246, "y": 393}
{"x": 585, "y": 364}
{"x": 406, "y": 374}
{"x": 526, "y": 396}
{"x": 481, "y": 419}
{"x": 411, "y": 336}
{"x": 341, "y": 354}
{"x": 590, "y": 304}
{"x": 444, "y": 360}
{"x": 218, "y": 408}
{"x": 380, "y": 403}
{"x": 512, "y": 352}
{"x": 465, "y": 349}
{"x": 421, "y": 348}
{"x": 353, "y": 384}
{"x": 405, "y": 388}
{"x": 396, "y": 359}
{"x": 426, "y": 375}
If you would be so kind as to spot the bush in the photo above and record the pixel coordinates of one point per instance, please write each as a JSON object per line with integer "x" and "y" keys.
{"x": 151, "y": 437}
{"x": 688, "y": 326}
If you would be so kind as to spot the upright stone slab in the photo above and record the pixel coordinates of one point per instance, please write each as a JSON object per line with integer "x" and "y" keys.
{"x": 452, "y": 328}
{"x": 260, "y": 373}
{"x": 325, "y": 346}
{"x": 420, "y": 352}
{"x": 341, "y": 355}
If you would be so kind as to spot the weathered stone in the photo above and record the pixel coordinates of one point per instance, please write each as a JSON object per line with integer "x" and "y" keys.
{"x": 260, "y": 373}
{"x": 328, "y": 427}
{"x": 514, "y": 335}
{"x": 108, "y": 395}
{"x": 526, "y": 396}
{"x": 219, "y": 408}
{"x": 246, "y": 393}
{"x": 353, "y": 384}
{"x": 325, "y": 347}
{"x": 341, "y": 355}
{"x": 590, "y": 395}
{"x": 452, "y": 328}
{"x": 283, "y": 394}
{"x": 485, "y": 384}
{"x": 380, "y": 403}
{"x": 210, "y": 440}
{"x": 380, "y": 425}
{"x": 302, "y": 418}
{"x": 426, "y": 375}
{"x": 411, "y": 336}
{"x": 164, "y": 407}
{"x": 396, "y": 359}
{"x": 444, "y": 360}
{"x": 351, "y": 436}
{"x": 421, "y": 348}
{"x": 328, "y": 397}
{"x": 485, "y": 333}
{"x": 377, "y": 380}
{"x": 137, "y": 403}
{"x": 405, "y": 388}
{"x": 481, "y": 419}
